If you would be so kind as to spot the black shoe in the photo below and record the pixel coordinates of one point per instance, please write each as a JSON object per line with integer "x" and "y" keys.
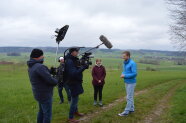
{"x": 61, "y": 102}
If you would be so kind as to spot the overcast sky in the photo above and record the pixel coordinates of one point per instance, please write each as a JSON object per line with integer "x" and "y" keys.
{"x": 128, "y": 24}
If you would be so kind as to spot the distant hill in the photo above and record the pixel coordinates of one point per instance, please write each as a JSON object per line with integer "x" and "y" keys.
{"x": 62, "y": 49}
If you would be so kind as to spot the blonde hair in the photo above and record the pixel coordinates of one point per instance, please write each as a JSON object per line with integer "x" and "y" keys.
{"x": 98, "y": 60}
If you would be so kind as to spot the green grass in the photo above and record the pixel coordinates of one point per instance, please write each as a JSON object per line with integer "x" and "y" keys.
{"x": 178, "y": 108}
{"x": 144, "y": 104}
{"x": 176, "y": 112}
{"x": 18, "y": 105}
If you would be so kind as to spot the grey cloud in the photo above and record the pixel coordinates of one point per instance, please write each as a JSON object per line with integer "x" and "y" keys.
{"x": 127, "y": 23}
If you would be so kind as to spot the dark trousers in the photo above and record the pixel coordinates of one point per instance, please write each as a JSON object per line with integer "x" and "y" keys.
{"x": 73, "y": 106}
{"x": 45, "y": 111}
{"x": 98, "y": 89}
{"x": 60, "y": 89}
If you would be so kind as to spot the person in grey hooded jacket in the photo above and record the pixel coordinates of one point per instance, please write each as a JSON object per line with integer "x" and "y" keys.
{"x": 42, "y": 85}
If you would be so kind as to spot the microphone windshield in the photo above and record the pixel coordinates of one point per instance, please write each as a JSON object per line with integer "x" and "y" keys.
{"x": 105, "y": 41}
{"x": 61, "y": 33}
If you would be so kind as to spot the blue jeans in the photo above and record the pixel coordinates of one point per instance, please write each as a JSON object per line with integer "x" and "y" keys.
{"x": 60, "y": 89}
{"x": 73, "y": 106}
{"x": 45, "y": 111}
{"x": 130, "y": 97}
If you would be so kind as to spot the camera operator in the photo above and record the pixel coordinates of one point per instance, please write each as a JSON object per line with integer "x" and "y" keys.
{"x": 42, "y": 85}
{"x": 74, "y": 79}
{"x": 61, "y": 83}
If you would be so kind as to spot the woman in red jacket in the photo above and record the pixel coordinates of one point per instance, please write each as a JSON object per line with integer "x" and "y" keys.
{"x": 98, "y": 75}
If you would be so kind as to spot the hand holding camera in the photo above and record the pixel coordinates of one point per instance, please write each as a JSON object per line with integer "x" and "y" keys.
{"x": 86, "y": 66}
{"x": 53, "y": 71}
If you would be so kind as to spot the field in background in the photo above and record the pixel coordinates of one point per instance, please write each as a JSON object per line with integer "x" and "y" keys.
{"x": 147, "y": 60}
{"x": 18, "y": 105}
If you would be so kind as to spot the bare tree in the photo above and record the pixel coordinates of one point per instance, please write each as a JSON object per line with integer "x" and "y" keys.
{"x": 178, "y": 25}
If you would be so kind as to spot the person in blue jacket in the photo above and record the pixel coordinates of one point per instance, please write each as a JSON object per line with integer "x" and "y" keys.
{"x": 42, "y": 85}
{"x": 129, "y": 74}
{"x": 74, "y": 79}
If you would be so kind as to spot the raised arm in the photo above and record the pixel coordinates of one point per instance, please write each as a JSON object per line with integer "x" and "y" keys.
{"x": 72, "y": 70}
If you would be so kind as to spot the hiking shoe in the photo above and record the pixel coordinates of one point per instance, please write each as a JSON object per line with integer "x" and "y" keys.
{"x": 95, "y": 103}
{"x": 79, "y": 114}
{"x": 61, "y": 102}
{"x": 131, "y": 112}
{"x": 123, "y": 114}
{"x": 100, "y": 103}
{"x": 73, "y": 121}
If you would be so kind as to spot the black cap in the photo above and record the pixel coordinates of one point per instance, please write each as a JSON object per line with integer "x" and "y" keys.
{"x": 36, "y": 53}
{"x": 74, "y": 49}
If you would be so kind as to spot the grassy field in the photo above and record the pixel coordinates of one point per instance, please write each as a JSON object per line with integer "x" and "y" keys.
{"x": 177, "y": 109}
{"x": 144, "y": 105}
{"x": 18, "y": 105}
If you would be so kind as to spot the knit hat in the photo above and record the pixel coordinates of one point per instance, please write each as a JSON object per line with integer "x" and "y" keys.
{"x": 36, "y": 53}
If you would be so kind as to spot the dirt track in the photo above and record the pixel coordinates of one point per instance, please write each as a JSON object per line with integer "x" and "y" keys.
{"x": 150, "y": 118}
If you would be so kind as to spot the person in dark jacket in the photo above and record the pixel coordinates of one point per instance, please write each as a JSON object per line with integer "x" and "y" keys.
{"x": 74, "y": 79}
{"x": 42, "y": 85}
{"x": 98, "y": 75}
{"x": 61, "y": 83}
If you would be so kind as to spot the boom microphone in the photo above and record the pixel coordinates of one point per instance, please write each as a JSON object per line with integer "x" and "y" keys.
{"x": 105, "y": 41}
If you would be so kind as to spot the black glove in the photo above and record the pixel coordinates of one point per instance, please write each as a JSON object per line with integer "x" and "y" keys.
{"x": 53, "y": 70}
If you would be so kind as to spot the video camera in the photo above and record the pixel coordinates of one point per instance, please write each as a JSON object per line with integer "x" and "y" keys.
{"x": 53, "y": 71}
{"x": 86, "y": 58}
